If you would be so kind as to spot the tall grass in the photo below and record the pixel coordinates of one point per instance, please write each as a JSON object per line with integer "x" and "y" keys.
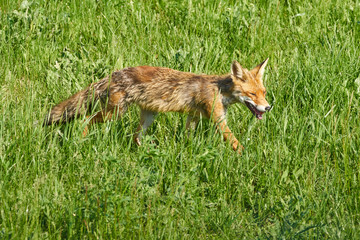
{"x": 298, "y": 176}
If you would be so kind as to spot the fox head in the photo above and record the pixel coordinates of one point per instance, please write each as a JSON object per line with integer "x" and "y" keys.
{"x": 248, "y": 87}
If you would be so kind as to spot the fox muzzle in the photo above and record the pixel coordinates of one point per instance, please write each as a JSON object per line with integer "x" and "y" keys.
{"x": 268, "y": 108}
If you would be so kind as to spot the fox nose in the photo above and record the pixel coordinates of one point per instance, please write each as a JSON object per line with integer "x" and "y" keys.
{"x": 268, "y": 108}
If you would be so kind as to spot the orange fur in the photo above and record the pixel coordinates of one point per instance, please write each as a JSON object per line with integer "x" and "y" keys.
{"x": 158, "y": 89}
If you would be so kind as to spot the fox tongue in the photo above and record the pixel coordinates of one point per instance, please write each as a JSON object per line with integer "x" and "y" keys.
{"x": 258, "y": 114}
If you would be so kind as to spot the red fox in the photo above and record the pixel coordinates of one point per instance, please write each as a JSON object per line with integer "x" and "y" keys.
{"x": 158, "y": 89}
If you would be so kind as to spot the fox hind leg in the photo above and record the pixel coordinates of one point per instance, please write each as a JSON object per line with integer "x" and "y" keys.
{"x": 146, "y": 119}
{"x": 99, "y": 117}
{"x": 116, "y": 104}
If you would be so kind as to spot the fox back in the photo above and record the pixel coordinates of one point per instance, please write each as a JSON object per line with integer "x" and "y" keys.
{"x": 158, "y": 89}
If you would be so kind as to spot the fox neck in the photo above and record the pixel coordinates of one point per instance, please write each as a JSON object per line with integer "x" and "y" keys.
{"x": 225, "y": 85}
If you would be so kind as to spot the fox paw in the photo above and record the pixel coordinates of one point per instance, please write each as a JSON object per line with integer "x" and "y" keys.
{"x": 137, "y": 141}
{"x": 238, "y": 147}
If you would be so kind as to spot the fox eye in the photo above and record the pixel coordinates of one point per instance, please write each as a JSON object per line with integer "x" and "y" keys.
{"x": 253, "y": 94}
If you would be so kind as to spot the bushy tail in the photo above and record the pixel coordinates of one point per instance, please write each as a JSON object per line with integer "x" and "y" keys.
{"x": 78, "y": 104}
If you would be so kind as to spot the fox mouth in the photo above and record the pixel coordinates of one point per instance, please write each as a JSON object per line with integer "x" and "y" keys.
{"x": 258, "y": 114}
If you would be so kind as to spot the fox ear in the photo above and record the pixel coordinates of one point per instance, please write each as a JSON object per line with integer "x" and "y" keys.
{"x": 259, "y": 70}
{"x": 237, "y": 70}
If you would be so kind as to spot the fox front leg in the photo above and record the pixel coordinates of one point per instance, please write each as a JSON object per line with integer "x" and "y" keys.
{"x": 229, "y": 136}
{"x": 218, "y": 116}
{"x": 191, "y": 122}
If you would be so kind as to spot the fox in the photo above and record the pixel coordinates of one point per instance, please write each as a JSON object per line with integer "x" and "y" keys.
{"x": 159, "y": 89}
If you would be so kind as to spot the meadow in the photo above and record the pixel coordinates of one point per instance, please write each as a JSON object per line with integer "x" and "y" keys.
{"x": 298, "y": 177}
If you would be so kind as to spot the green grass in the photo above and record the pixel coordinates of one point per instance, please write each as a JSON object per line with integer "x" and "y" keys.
{"x": 298, "y": 176}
